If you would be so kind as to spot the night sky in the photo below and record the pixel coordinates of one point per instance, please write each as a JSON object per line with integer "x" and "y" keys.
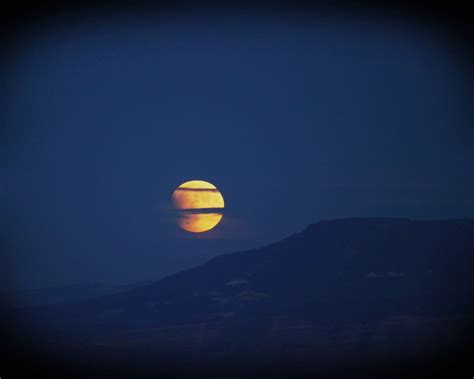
{"x": 294, "y": 119}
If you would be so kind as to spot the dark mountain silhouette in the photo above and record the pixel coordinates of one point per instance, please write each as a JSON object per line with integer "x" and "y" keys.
{"x": 342, "y": 292}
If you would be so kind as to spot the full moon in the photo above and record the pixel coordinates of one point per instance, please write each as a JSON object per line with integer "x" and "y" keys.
{"x": 200, "y": 206}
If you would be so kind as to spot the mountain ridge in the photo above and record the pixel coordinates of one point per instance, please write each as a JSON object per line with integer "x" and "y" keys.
{"x": 342, "y": 290}
{"x": 337, "y": 241}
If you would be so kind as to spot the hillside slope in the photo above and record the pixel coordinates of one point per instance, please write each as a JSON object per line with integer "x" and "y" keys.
{"x": 336, "y": 290}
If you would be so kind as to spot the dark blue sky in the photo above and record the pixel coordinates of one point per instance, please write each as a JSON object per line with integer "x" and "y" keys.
{"x": 294, "y": 120}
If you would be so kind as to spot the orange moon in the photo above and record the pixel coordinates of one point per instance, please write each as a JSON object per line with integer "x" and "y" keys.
{"x": 200, "y": 205}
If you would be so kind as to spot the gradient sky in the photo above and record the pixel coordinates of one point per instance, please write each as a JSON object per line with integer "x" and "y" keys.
{"x": 294, "y": 120}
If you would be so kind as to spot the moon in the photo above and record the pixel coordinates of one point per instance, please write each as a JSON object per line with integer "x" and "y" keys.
{"x": 200, "y": 205}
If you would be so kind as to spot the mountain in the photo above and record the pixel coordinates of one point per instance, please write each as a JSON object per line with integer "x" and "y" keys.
{"x": 61, "y": 294}
{"x": 342, "y": 293}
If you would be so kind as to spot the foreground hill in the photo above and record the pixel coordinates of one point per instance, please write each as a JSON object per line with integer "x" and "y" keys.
{"x": 342, "y": 292}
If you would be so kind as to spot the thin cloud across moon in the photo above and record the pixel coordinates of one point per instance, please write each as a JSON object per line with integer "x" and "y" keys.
{"x": 200, "y": 205}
